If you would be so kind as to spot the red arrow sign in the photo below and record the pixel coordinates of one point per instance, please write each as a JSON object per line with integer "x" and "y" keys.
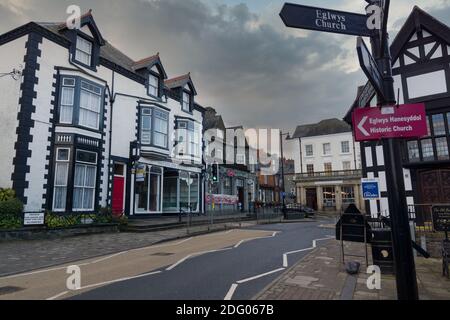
{"x": 404, "y": 121}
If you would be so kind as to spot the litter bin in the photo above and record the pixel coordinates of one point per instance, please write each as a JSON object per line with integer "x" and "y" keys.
{"x": 382, "y": 250}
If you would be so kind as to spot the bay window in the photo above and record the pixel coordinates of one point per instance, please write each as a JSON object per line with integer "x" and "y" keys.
{"x": 80, "y": 103}
{"x": 84, "y": 181}
{"x": 61, "y": 177}
{"x": 161, "y": 132}
{"x": 154, "y": 129}
{"x": 146, "y": 126}
{"x": 83, "y": 52}
{"x": 188, "y": 138}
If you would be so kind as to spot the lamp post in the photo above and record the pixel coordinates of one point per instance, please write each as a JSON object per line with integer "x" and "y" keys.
{"x": 283, "y": 187}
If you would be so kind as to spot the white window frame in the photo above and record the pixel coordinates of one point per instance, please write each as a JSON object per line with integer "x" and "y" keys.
{"x": 324, "y": 149}
{"x": 307, "y": 154}
{"x": 347, "y": 143}
{"x": 80, "y": 50}
{"x": 155, "y": 116}
{"x": 90, "y": 109}
{"x": 85, "y": 165}
{"x": 67, "y": 178}
{"x": 152, "y": 86}
{"x": 72, "y": 105}
{"x": 147, "y": 131}
{"x": 186, "y": 101}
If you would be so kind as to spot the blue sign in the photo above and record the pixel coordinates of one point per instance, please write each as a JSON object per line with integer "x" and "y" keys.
{"x": 370, "y": 189}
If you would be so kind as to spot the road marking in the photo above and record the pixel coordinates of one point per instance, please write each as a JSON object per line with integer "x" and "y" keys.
{"x": 314, "y": 245}
{"x": 231, "y": 292}
{"x": 109, "y": 257}
{"x": 104, "y": 283}
{"x": 251, "y": 239}
{"x": 260, "y": 276}
{"x": 196, "y": 254}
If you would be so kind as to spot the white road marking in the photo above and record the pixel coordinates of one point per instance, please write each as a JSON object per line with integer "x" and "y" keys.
{"x": 196, "y": 254}
{"x": 250, "y": 239}
{"x": 231, "y": 292}
{"x": 314, "y": 245}
{"x": 58, "y": 295}
{"x": 260, "y": 276}
{"x": 108, "y": 257}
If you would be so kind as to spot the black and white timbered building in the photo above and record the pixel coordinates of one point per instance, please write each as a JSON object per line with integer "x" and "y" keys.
{"x": 421, "y": 69}
{"x": 84, "y": 126}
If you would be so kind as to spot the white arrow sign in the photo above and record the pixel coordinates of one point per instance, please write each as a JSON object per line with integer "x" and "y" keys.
{"x": 361, "y": 126}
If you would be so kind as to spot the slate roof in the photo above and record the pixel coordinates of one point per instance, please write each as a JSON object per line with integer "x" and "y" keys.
{"x": 324, "y": 127}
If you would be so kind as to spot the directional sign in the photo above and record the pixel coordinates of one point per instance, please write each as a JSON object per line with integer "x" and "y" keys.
{"x": 371, "y": 189}
{"x": 404, "y": 121}
{"x": 369, "y": 66}
{"x": 366, "y": 95}
{"x": 326, "y": 20}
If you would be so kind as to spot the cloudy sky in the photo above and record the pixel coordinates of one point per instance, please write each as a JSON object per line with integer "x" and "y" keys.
{"x": 243, "y": 60}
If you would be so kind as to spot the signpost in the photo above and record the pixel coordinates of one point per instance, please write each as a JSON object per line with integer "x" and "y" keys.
{"x": 370, "y": 67}
{"x": 404, "y": 121}
{"x": 319, "y": 19}
{"x": 379, "y": 71}
{"x": 371, "y": 189}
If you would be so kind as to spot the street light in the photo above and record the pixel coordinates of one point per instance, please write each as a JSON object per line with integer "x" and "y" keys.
{"x": 282, "y": 172}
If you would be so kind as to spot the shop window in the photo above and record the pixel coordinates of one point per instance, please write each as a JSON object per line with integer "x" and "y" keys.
{"x": 227, "y": 186}
{"x": 329, "y": 197}
{"x": 348, "y": 195}
{"x": 148, "y": 189}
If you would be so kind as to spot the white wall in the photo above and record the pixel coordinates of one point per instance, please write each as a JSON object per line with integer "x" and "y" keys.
{"x": 11, "y": 56}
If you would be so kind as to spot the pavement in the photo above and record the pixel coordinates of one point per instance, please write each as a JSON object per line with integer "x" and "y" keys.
{"x": 232, "y": 264}
{"x": 321, "y": 276}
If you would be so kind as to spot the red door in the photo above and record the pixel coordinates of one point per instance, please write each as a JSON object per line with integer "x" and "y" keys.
{"x": 118, "y": 195}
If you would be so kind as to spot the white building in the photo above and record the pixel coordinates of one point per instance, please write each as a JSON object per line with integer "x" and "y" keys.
{"x": 327, "y": 166}
{"x": 84, "y": 126}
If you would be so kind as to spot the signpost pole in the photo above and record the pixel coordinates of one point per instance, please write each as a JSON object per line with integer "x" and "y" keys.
{"x": 401, "y": 236}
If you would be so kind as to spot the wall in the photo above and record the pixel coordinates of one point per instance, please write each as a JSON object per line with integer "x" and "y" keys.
{"x": 11, "y": 56}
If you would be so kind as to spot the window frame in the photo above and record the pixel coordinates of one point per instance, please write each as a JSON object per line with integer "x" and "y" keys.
{"x": 185, "y": 93}
{"x": 323, "y": 149}
{"x": 158, "y": 85}
{"x": 306, "y": 150}
{"x": 85, "y": 165}
{"x": 78, "y": 49}
{"x": 347, "y": 145}
{"x": 153, "y": 115}
{"x": 57, "y": 161}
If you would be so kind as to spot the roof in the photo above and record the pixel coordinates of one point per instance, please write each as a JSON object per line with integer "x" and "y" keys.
{"x": 324, "y": 127}
{"x": 180, "y": 82}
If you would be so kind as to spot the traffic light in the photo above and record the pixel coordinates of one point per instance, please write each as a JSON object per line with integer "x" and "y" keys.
{"x": 215, "y": 172}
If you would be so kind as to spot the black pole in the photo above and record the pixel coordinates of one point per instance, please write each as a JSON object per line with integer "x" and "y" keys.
{"x": 401, "y": 235}
{"x": 282, "y": 177}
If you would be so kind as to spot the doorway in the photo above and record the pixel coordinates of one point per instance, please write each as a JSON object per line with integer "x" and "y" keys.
{"x": 118, "y": 194}
{"x": 434, "y": 186}
{"x": 311, "y": 198}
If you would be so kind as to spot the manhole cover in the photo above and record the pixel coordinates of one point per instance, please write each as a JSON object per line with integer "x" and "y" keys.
{"x": 9, "y": 289}
{"x": 162, "y": 254}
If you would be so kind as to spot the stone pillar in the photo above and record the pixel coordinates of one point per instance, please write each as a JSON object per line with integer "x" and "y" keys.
{"x": 338, "y": 195}
{"x": 319, "y": 198}
{"x": 359, "y": 202}
{"x": 303, "y": 196}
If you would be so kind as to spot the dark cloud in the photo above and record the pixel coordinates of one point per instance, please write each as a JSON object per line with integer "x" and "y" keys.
{"x": 247, "y": 69}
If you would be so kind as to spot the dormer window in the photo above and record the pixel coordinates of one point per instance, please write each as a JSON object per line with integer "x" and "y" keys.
{"x": 153, "y": 85}
{"x": 83, "y": 52}
{"x": 186, "y": 105}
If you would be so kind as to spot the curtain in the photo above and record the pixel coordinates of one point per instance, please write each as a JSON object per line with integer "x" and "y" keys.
{"x": 66, "y": 110}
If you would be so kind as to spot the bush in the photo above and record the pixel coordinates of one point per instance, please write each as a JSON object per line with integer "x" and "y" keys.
{"x": 53, "y": 220}
{"x": 7, "y": 194}
{"x": 11, "y": 207}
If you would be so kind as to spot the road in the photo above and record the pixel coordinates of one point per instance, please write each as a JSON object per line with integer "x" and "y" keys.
{"x": 236, "y": 264}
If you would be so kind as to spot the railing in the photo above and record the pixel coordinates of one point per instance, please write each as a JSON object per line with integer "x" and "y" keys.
{"x": 422, "y": 216}
{"x": 328, "y": 174}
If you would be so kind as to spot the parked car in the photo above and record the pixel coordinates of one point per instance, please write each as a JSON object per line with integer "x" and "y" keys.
{"x": 296, "y": 208}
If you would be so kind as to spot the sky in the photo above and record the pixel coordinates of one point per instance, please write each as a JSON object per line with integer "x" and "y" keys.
{"x": 244, "y": 62}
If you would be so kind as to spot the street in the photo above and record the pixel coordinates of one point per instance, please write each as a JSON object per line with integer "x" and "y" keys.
{"x": 236, "y": 264}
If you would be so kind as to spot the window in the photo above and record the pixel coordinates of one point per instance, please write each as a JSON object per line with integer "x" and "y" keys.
{"x": 227, "y": 186}
{"x": 310, "y": 169}
{"x": 442, "y": 148}
{"x": 240, "y": 159}
{"x": 428, "y": 127}
{"x": 153, "y": 85}
{"x": 328, "y": 167}
{"x": 90, "y": 105}
{"x": 61, "y": 175}
{"x": 348, "y": 195}
{"x": 188, "y": 131}
{"x": 329, "y": 197}
{"x": 427, "y": 150}
{"x": 309, "y": 150}
{"x": 346, "y": 165}
{"x": 186, "y": 104}
{"x": 413, "y": 151}
{"x": 82, "y": 98}
{"x": 67, "y": 100}
{"x": 146, "y": 126}
{"x": 84, "y": 181}
{"x": 83, "y": 51}
{"x": 345, "y": 147}
{"x": 161, "y": 131}
{"x": 326, "y": 149}
{"x": 438, "y": 124}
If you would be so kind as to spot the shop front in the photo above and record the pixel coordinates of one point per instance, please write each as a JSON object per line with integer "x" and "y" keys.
{"x": 162, "y": 188}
